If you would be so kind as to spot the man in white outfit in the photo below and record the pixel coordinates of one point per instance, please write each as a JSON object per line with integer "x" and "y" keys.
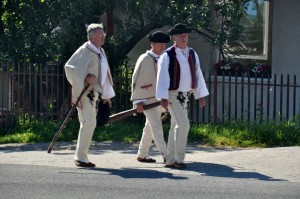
{"x": 179, "y": 75}
{"x": 89, "y": 66}
{"x": 143, "y": 92}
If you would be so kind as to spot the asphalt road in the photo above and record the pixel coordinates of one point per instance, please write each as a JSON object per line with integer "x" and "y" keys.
{"x": 28, "y": 171}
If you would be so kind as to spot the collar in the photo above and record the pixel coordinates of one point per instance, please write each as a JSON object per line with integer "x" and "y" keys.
{"x": 154, "y": 55}
{"x": 183, "y": 49}
{"x": 93, "y": 47}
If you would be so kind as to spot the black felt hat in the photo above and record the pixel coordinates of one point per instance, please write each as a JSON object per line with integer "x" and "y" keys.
{"x": 179, "y": 29}
{"x": 159, "y": 37}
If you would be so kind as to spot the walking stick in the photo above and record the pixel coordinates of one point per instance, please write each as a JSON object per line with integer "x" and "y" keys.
{"x": 118, "y": 116}
{"x": 66, "y": 120}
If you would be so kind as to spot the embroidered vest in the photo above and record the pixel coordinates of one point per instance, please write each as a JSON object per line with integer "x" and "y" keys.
{"x": 174, "y": 68}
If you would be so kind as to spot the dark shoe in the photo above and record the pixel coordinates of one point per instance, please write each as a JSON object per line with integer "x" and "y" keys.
{"x": 165, "y": 160}
{"x": 84, "y": 164}
{"x": 176, "y": 165}
{"x": 180, "y": 165}
{"x": 148, "y": 160}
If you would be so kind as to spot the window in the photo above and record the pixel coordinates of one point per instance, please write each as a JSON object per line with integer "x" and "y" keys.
{"x": 251, "y": 52}
{"x": 254, "y": 42}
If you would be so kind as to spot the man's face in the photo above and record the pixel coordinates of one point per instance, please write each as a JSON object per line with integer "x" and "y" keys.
{"x": 181, "y": 39}
{"x": 158, "y": 48}
{"x": 98, "y": 38}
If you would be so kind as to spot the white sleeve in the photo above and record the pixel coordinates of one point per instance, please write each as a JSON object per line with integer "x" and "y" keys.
{"x": 108, "y": 91}
{"x": 163, "y": 77}
{"x": 201, "y": 90}
{"x": 134, "y": 102}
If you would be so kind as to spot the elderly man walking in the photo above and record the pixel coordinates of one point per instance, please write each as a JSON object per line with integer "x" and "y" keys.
{"x": 89, "y": 66}
{"x": 179, "y": 75}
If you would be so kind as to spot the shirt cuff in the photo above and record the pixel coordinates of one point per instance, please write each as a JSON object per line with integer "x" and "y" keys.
{"x": 134, "y": 102}
{"x": 162, "y": 94}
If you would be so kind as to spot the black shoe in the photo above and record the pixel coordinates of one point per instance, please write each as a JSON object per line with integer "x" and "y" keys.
{"x": 84, "y": 164}
{"x": 148, "y": 160}
{"x": 176, "y": 165}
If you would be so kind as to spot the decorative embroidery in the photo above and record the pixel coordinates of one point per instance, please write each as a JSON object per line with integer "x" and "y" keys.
{"x": 146, "y": 86}
{"x": 188, "y": 94}
{"x": 184, "y": 99}
{"x": 91, "y": 96}
{"x": 97, "y": 102}
{"x": 181, "y": 98}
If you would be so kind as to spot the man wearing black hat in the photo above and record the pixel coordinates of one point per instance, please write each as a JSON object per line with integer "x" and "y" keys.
{"x": 143, "y": 89}
{"x": 179, "y": 75}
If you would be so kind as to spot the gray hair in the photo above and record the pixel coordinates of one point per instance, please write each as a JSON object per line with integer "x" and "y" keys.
{"x": 92, "y": 29}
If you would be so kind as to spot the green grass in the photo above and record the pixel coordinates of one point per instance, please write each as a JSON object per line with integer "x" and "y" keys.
{"x": 229, "y": 134}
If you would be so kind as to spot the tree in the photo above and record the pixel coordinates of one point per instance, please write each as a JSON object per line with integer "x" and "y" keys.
{"x": 41, "y": 31}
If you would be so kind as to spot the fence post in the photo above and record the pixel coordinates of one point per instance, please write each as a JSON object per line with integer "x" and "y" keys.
{"x": 215, "y": 96}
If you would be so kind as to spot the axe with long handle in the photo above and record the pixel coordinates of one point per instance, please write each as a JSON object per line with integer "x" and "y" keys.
{"x": 67, "y": 119}
{"x": 124, "y": 114}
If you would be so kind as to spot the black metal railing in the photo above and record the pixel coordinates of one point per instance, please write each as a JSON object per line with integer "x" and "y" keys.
{"x": 41, "y": 92}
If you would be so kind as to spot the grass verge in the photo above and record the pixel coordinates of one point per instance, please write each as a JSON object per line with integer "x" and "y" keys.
{"x": 230, "y": 134}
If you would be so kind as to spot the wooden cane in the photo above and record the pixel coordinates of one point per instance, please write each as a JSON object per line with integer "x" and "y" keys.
{"x": 118, "y": 116}
{"x": 67, "y": 119}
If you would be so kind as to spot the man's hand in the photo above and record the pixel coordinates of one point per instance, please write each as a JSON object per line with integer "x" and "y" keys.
{"x": 73, "y": 102}
{"x": 107, "y": 101}
{"x": 202, "y": 102}
{"x": 140, "y": 107}
{"x": 164, "y": 103}
{"x": 90, "y": 79}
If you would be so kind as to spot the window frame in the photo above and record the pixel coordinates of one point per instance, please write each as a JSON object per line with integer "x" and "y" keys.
{"x": 266, "y": 39}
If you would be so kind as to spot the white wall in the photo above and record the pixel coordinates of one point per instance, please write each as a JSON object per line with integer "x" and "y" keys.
{"x": 286, "y": 37}
{"x": 286, "y": 40}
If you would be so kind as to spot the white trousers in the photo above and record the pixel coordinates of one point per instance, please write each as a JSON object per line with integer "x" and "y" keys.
{"x": 179, "y": 127}
{"x": 153, "y": 130}
{"x": 87, "y": 118}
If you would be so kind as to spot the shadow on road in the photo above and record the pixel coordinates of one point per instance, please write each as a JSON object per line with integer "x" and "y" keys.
{"x": 140, "y": 173}
{"x": 219, "y": 170}
{"x": 204, "y": 169}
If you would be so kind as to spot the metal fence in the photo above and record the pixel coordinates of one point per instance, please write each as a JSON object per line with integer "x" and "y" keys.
{"x": 41, "y": 92}
{"x": 247, "y": 98}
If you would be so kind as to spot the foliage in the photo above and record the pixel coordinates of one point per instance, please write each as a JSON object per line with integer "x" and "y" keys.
{"x": 41, "y": 31}
{"x": 252, "y": 68}
{"x": 29, "y": 130}
{"x": 229, "y": 134}
{"x": 243, "y": 134}
{"x": 225, "y": 25}
{"x": 124, "y": 132}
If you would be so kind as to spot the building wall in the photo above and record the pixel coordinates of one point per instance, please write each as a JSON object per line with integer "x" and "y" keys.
{"x": 286, "y": 40}
{"x": 285, "y": 37}
{"x": 197, "y": 42}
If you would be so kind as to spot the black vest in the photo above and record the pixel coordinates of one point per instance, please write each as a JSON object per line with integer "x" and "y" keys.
{"x": 174, "y": 68}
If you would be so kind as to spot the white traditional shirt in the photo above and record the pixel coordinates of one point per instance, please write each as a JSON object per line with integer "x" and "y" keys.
{"x": 107, "y": 90}
{"x": 163, "y": 76}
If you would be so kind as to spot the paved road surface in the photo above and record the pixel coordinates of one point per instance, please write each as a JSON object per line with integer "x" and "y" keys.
{"x": 210, "y": 172}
